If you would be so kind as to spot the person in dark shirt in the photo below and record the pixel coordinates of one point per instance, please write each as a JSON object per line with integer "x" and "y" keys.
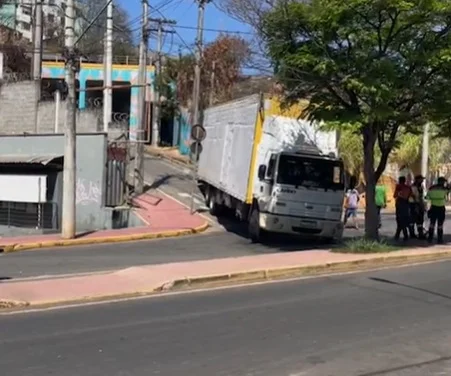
{"x": 417, "y": 208}
{"x": 401, "y": 196}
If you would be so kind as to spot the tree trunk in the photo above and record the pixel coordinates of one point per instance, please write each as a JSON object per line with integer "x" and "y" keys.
{"x": 371, "y": 217}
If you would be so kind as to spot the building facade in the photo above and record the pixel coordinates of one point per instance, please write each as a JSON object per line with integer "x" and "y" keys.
{"x": 90, "y": 77}
{"x": 19, "y": 16}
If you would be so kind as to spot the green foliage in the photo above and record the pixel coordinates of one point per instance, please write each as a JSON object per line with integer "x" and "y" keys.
{"x": 362, "y": 245}
{"x": 372, "y": 66}
{"x": 351, "y": 151}
{"x": 226, "y": 55}
{"x": 407, "y": 150}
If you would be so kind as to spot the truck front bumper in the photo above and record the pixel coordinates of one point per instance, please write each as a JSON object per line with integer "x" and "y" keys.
{"x": 321, "y": 228}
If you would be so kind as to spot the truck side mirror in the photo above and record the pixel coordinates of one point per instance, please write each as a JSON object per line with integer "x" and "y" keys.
{"x": 261, "y": 172}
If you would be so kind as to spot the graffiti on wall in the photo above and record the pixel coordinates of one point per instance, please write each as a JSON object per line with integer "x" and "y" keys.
{"x": 185, "y": 132}
{"x": 87, "y": 192}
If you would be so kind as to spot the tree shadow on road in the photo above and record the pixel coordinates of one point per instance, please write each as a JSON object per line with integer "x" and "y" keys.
{"x": 408, "y": 366}
{"x": 162, "y": 180}
{"x": 274, "y": 242}
{"x": 382, "y": 280}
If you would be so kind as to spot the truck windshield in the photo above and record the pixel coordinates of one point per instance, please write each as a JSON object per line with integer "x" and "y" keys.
{"x": 310, "y": 172}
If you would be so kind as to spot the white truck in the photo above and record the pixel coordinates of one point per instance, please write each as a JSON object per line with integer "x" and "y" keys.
{"x": 278, "y": 173}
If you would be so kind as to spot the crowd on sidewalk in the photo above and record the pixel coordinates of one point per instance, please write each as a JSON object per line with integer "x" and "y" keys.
{"x": 413, "y": 204}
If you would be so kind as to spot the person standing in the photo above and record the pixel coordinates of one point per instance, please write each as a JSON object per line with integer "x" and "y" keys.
{"x": 401, "y": 196}
{"x": 437, "y": 212}
{"x": 352, "y": 204}
{"x": 417, "y": 207}
{"x": 381, "y": 200}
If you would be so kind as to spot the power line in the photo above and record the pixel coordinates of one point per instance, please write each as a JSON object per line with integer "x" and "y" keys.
{"x": 176, "y": 32}
{"x": 225, "y": 31}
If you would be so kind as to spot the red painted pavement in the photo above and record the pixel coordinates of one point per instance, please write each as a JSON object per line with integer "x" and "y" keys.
{"x": 161, "y": 214}
{"x": 145, "y": 279}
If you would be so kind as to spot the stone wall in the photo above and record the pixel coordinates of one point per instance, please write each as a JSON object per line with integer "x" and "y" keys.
{"x": 18, "y": 113}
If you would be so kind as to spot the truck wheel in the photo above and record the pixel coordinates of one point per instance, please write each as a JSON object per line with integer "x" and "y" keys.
{"x": 255, "y": 232}
{"x": 213, "y": 206}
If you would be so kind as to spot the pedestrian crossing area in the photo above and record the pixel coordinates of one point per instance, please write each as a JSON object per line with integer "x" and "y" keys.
{"x": 199, "y": 201}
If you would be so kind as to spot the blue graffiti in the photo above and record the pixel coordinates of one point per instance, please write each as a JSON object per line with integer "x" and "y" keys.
{"x": 185, "y": 132}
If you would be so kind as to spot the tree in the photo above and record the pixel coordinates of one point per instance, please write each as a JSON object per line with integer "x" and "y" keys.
{"x": 379, "y": 66}
{"x": 229, "y": 54}
{"x": 225, "y": 58}
{"x": 92, "y": 42}
{"x": 251, "y": 12}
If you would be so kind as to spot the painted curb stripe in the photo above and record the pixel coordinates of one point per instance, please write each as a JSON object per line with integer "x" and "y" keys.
{"x": 103, "y": 240}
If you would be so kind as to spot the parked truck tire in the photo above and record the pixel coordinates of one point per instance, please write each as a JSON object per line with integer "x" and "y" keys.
{"x": 256, "y": 233}
{"x": 210, "y": 199}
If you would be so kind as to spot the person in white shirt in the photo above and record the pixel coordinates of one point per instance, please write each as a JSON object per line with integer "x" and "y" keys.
{"x": 352, "y": 204}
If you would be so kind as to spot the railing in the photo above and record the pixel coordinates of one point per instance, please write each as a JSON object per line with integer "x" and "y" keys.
{"x": 97, "y": 59}
{"x": 28, "y": 215}
{"x": 116, "y": 177}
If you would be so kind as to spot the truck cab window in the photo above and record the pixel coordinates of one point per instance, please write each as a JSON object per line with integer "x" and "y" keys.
{"x": 271, "y": 166}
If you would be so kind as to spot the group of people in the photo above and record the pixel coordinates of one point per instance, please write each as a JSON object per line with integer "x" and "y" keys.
{"x": 411, "y": 207}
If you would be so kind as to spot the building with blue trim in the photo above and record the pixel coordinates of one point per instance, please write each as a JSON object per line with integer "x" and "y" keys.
{"x": 91, "y": 76}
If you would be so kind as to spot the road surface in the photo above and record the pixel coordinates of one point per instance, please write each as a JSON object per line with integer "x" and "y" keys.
{"x": 391, "y": 323}
{"x": 231, "y": 242}
{"x": 94, "y": 258}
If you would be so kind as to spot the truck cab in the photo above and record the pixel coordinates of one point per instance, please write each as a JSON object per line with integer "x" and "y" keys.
{"x": 298, "y": 193}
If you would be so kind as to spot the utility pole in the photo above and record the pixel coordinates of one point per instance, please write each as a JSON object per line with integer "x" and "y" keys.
{"x": 108, "y": 69}
{"x": 157, "y": 113}
{"x": 425, "y": 152}
{"x": 196, "y": 89}
{"x": 142, "y": 80}
{"x": 68, "y": 229}
{"x": 156, "y": 119}
{"x": 212, "y": 84}
{"x": 37, "y": 58}
{"x": 199, "y": 51}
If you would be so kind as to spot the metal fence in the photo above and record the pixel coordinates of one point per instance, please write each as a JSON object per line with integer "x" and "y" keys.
{"x": 116, "y": 176}
{"x": 38, "y": 216}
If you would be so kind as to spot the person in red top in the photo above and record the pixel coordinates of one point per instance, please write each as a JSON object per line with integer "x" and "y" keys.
{"x": 402, "y": 194}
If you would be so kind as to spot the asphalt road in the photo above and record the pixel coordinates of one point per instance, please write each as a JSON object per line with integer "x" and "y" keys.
{"x": 231, "y": 242}
{"x": 95, "y": 258}
{"x": 392, "y": 323}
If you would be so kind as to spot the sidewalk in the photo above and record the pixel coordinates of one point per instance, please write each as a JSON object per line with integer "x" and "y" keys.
{"x": 162, "y": 216}
{"x": 168, "y": 153}
{"x": 139, "y": 281}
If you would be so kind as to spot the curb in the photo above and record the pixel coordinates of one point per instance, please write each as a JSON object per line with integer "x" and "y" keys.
{"x": 12, "y": 304}
{"x": 251, "y": 276}
{"x": 303, "y": 271}
{"x": 102, "y": 240}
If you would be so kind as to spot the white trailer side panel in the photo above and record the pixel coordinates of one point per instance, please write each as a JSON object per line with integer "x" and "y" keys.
{"x": 227, "y": 150}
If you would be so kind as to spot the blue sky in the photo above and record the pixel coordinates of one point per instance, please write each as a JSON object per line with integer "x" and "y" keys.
{"x": 185, "y": 13}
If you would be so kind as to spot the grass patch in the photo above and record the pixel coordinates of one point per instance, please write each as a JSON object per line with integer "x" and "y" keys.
{"x": 362, "y": 245}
